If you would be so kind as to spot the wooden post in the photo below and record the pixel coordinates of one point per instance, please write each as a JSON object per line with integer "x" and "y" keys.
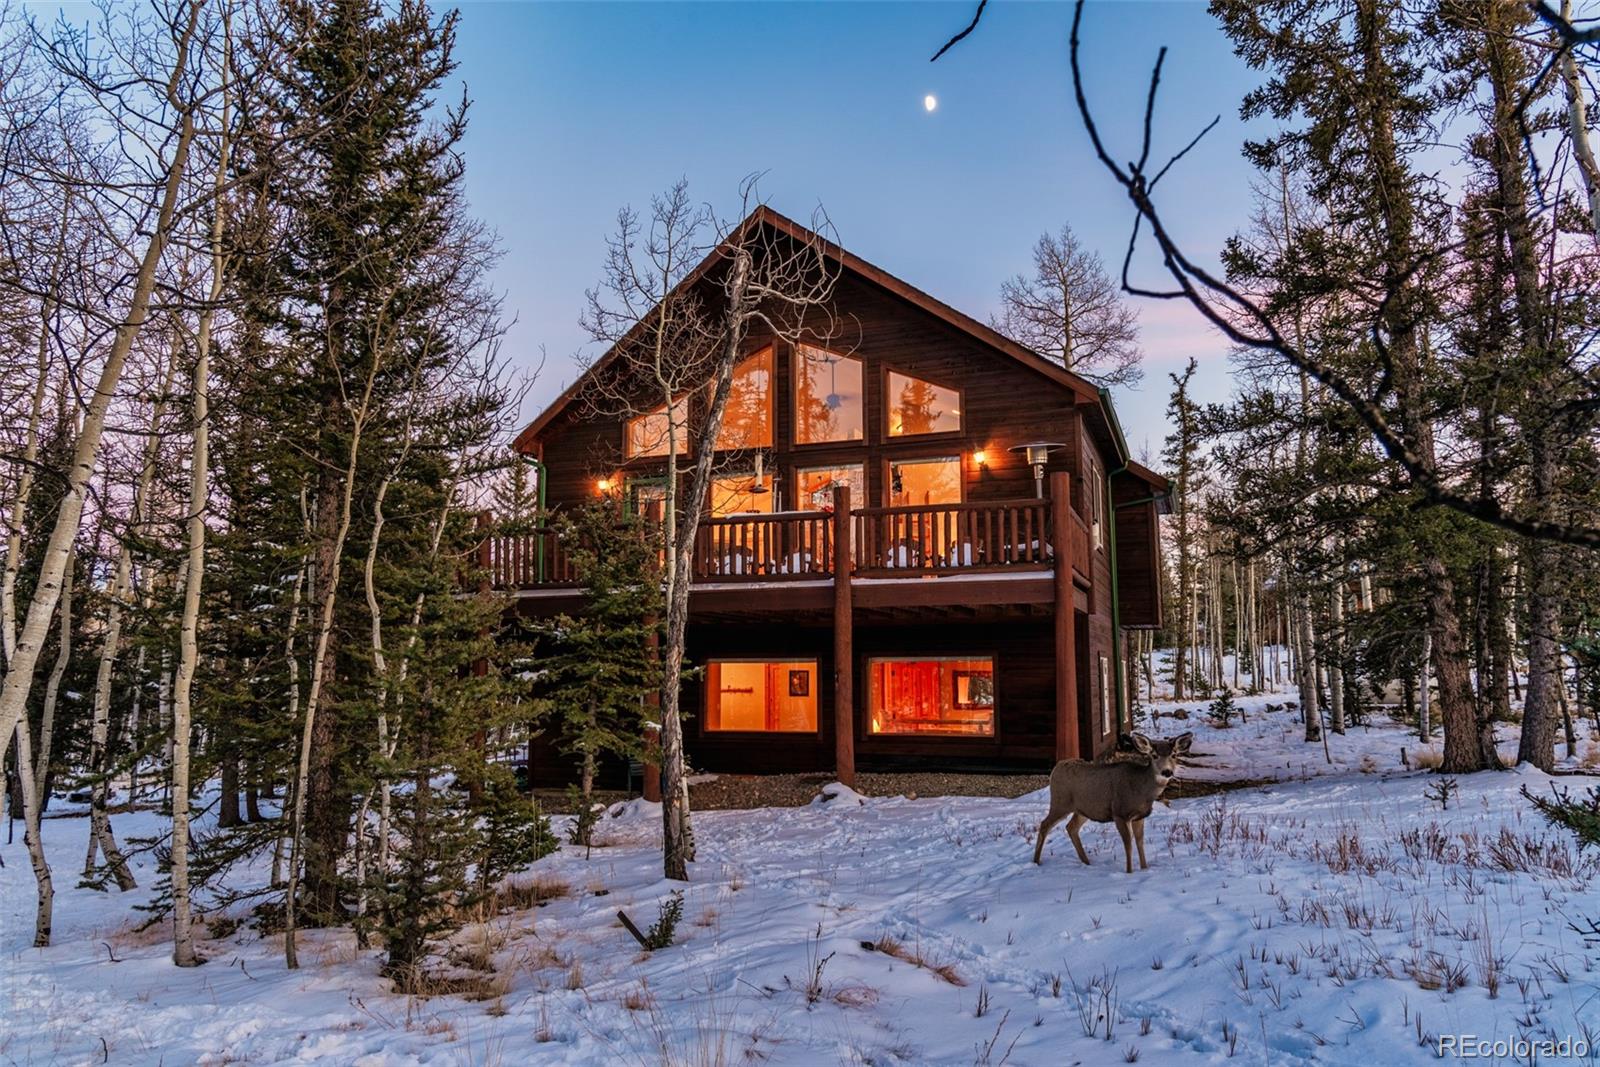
{"x": 1066, "y": 619}
{"x": 844, "y": 718}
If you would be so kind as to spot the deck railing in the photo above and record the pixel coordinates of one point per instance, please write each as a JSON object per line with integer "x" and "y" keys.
{"x": 922, "y": 540}
{"x": 947, "y": 538}
{"x": 786, "y": 545}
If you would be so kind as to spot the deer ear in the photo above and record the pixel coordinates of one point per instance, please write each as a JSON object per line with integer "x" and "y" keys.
{"x": 1182, "y": 742}
{"x": 1141, "y": 744}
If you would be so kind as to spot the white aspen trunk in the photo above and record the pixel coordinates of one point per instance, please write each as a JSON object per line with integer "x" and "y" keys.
{"x": 135, "y": 723}
{"x": 52, "y": 688}
{"x": 1336, "y": 667}
{"x": 101, "y": 837}
{"x": 1424, "y": 694}
{"x": 19, "y": 503}
{"x": 35, "y": 844}
{"x": 293, "y": 664}
{"x": 1309, "y": 700}
{"x": 1578, "y": 127}
{"x": 183, "y": 950}
{"x": 41, "y": 609}
{"x": 318, "y": 667}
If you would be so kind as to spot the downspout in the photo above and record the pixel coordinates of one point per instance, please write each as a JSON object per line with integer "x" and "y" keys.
{"x": 538, "y": 546}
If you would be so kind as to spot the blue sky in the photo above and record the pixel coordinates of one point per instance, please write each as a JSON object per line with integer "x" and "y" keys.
{"x": 581, "y": 108}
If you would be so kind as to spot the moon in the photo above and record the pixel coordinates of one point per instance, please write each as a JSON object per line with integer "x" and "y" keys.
{"x": 930, "y": 102}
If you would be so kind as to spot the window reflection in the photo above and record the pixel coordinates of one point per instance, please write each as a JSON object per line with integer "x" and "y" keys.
{"x": 917, "y": 406}
{"x": 747, "y": 420}
{"x": 828, "y": 398}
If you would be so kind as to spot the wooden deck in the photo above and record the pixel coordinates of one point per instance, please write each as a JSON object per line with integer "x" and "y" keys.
{"x": 996, "y": 539}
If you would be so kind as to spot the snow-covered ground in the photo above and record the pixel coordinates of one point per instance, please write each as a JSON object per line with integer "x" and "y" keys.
{"x": 1335, "y": 915}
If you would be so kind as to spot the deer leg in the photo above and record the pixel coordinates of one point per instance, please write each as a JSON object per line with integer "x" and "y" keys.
{"x": 1045, "y": 827}
{"x": 1127, "y": 841}
{"x": 1073, "y": 825}
{"x": 1138, "y": 839}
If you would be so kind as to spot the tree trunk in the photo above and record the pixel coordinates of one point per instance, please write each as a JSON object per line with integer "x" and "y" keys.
{"x": 1336, "y": 657}
{"x": 47, "y": 591}
{"x": 35, "y": 844}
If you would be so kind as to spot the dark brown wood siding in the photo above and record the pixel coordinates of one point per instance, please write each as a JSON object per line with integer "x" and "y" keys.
{"x": 1138, "y": 554}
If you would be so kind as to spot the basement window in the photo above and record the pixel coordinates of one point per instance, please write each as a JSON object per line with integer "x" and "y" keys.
{"x": 761, "y": 696}
{"x": 933, "y": 696}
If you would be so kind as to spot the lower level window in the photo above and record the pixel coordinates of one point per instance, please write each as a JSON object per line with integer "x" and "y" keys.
{"x": 762, "y": 696}
{"x": 951, "y": 695}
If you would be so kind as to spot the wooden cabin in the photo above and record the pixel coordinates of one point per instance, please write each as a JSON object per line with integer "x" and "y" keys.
{"x": 895, "y": 583}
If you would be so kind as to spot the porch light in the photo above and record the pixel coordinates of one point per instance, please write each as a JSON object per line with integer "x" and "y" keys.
{"x": 1038, "y": 454}
{"x": 980, "y": 458}
{"x": 603, "y": 485}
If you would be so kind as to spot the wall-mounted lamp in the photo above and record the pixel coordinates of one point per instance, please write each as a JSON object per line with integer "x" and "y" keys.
{"x": 602, "y": 485}
{"x": 980, "y": 458}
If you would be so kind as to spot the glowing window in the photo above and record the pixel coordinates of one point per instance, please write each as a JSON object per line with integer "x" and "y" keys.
{"x": 650, "y": 433}
{"x": 925, "y": 481}
{"x": 828, "y": 396}
{"x": 916, "y": 406}
{"x": 764, "y": 697}
{"x": 747, "y": 420}
{"x": 816, "y": 485}
{"x": 741, "y": 494}
{"x": 947, "y": 695}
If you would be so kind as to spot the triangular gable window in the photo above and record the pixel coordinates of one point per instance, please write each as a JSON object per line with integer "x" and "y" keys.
{"x": 917, "y": 407}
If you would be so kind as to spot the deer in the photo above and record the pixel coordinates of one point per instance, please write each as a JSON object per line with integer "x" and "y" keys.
{"x": 1123, "y": 791}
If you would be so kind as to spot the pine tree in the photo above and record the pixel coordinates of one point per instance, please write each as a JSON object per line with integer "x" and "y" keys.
{"x": 598, "y": 664}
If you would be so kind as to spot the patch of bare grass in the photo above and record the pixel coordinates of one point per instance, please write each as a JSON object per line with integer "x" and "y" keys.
{"x": 890, "y": 946}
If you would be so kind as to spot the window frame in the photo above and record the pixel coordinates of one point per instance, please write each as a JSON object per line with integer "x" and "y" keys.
{"x": 864, "y": 732}
{"x": 771, "y": 347}
{"x": 630, "y": 456}
{"x": 890, "y": 462}
{"x": 886, "y": 369}
{"x": 705, "y": 729}
{"x": 803, "y": 468}
{"x": 794, "y": 402}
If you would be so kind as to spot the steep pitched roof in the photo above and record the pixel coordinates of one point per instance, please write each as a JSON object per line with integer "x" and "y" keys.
{"x": 765, "y": 216}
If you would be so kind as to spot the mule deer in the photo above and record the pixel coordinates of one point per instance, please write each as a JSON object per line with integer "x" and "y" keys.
{"x": 1121, "y": 792}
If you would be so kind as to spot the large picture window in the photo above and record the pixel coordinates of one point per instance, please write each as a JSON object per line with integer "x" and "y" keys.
{"x": 917, "y": 406}
{"x": 816, "y": 485}
{"x": 649, "y": 434}
{"x": 741, "y": 494}
{"x": 925, "y": 481}
{"x": 944, "y": 695}
{"x": 762, "y": 697}
{"x": 747, "y": 420}
{"x": 828, "y": 398}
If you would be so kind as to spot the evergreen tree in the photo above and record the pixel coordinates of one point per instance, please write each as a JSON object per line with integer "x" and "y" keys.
{"x": 597, "y": 664}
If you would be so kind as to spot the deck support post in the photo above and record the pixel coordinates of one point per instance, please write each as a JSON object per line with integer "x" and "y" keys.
{"x": 844, "y": 719}
{"x": 1066, "y": 618}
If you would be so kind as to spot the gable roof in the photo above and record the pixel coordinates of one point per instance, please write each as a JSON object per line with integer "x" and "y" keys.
{"x": 1087, "y": 393}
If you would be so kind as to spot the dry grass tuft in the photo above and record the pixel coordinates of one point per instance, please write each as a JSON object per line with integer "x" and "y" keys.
{"x": 891, "y": 947}
{"x": 520, "y": 896}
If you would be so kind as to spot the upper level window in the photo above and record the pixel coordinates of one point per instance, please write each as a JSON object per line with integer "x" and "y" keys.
{"x": 651, "y": 434}
{"x": 816, "y": 486}
{"x": 741, "y": 494}
{"x": 917, "y": 406}
{"x": 925, "y": 481}
{"x": 828, "y": 398}
{"x": 747, "y": 420}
